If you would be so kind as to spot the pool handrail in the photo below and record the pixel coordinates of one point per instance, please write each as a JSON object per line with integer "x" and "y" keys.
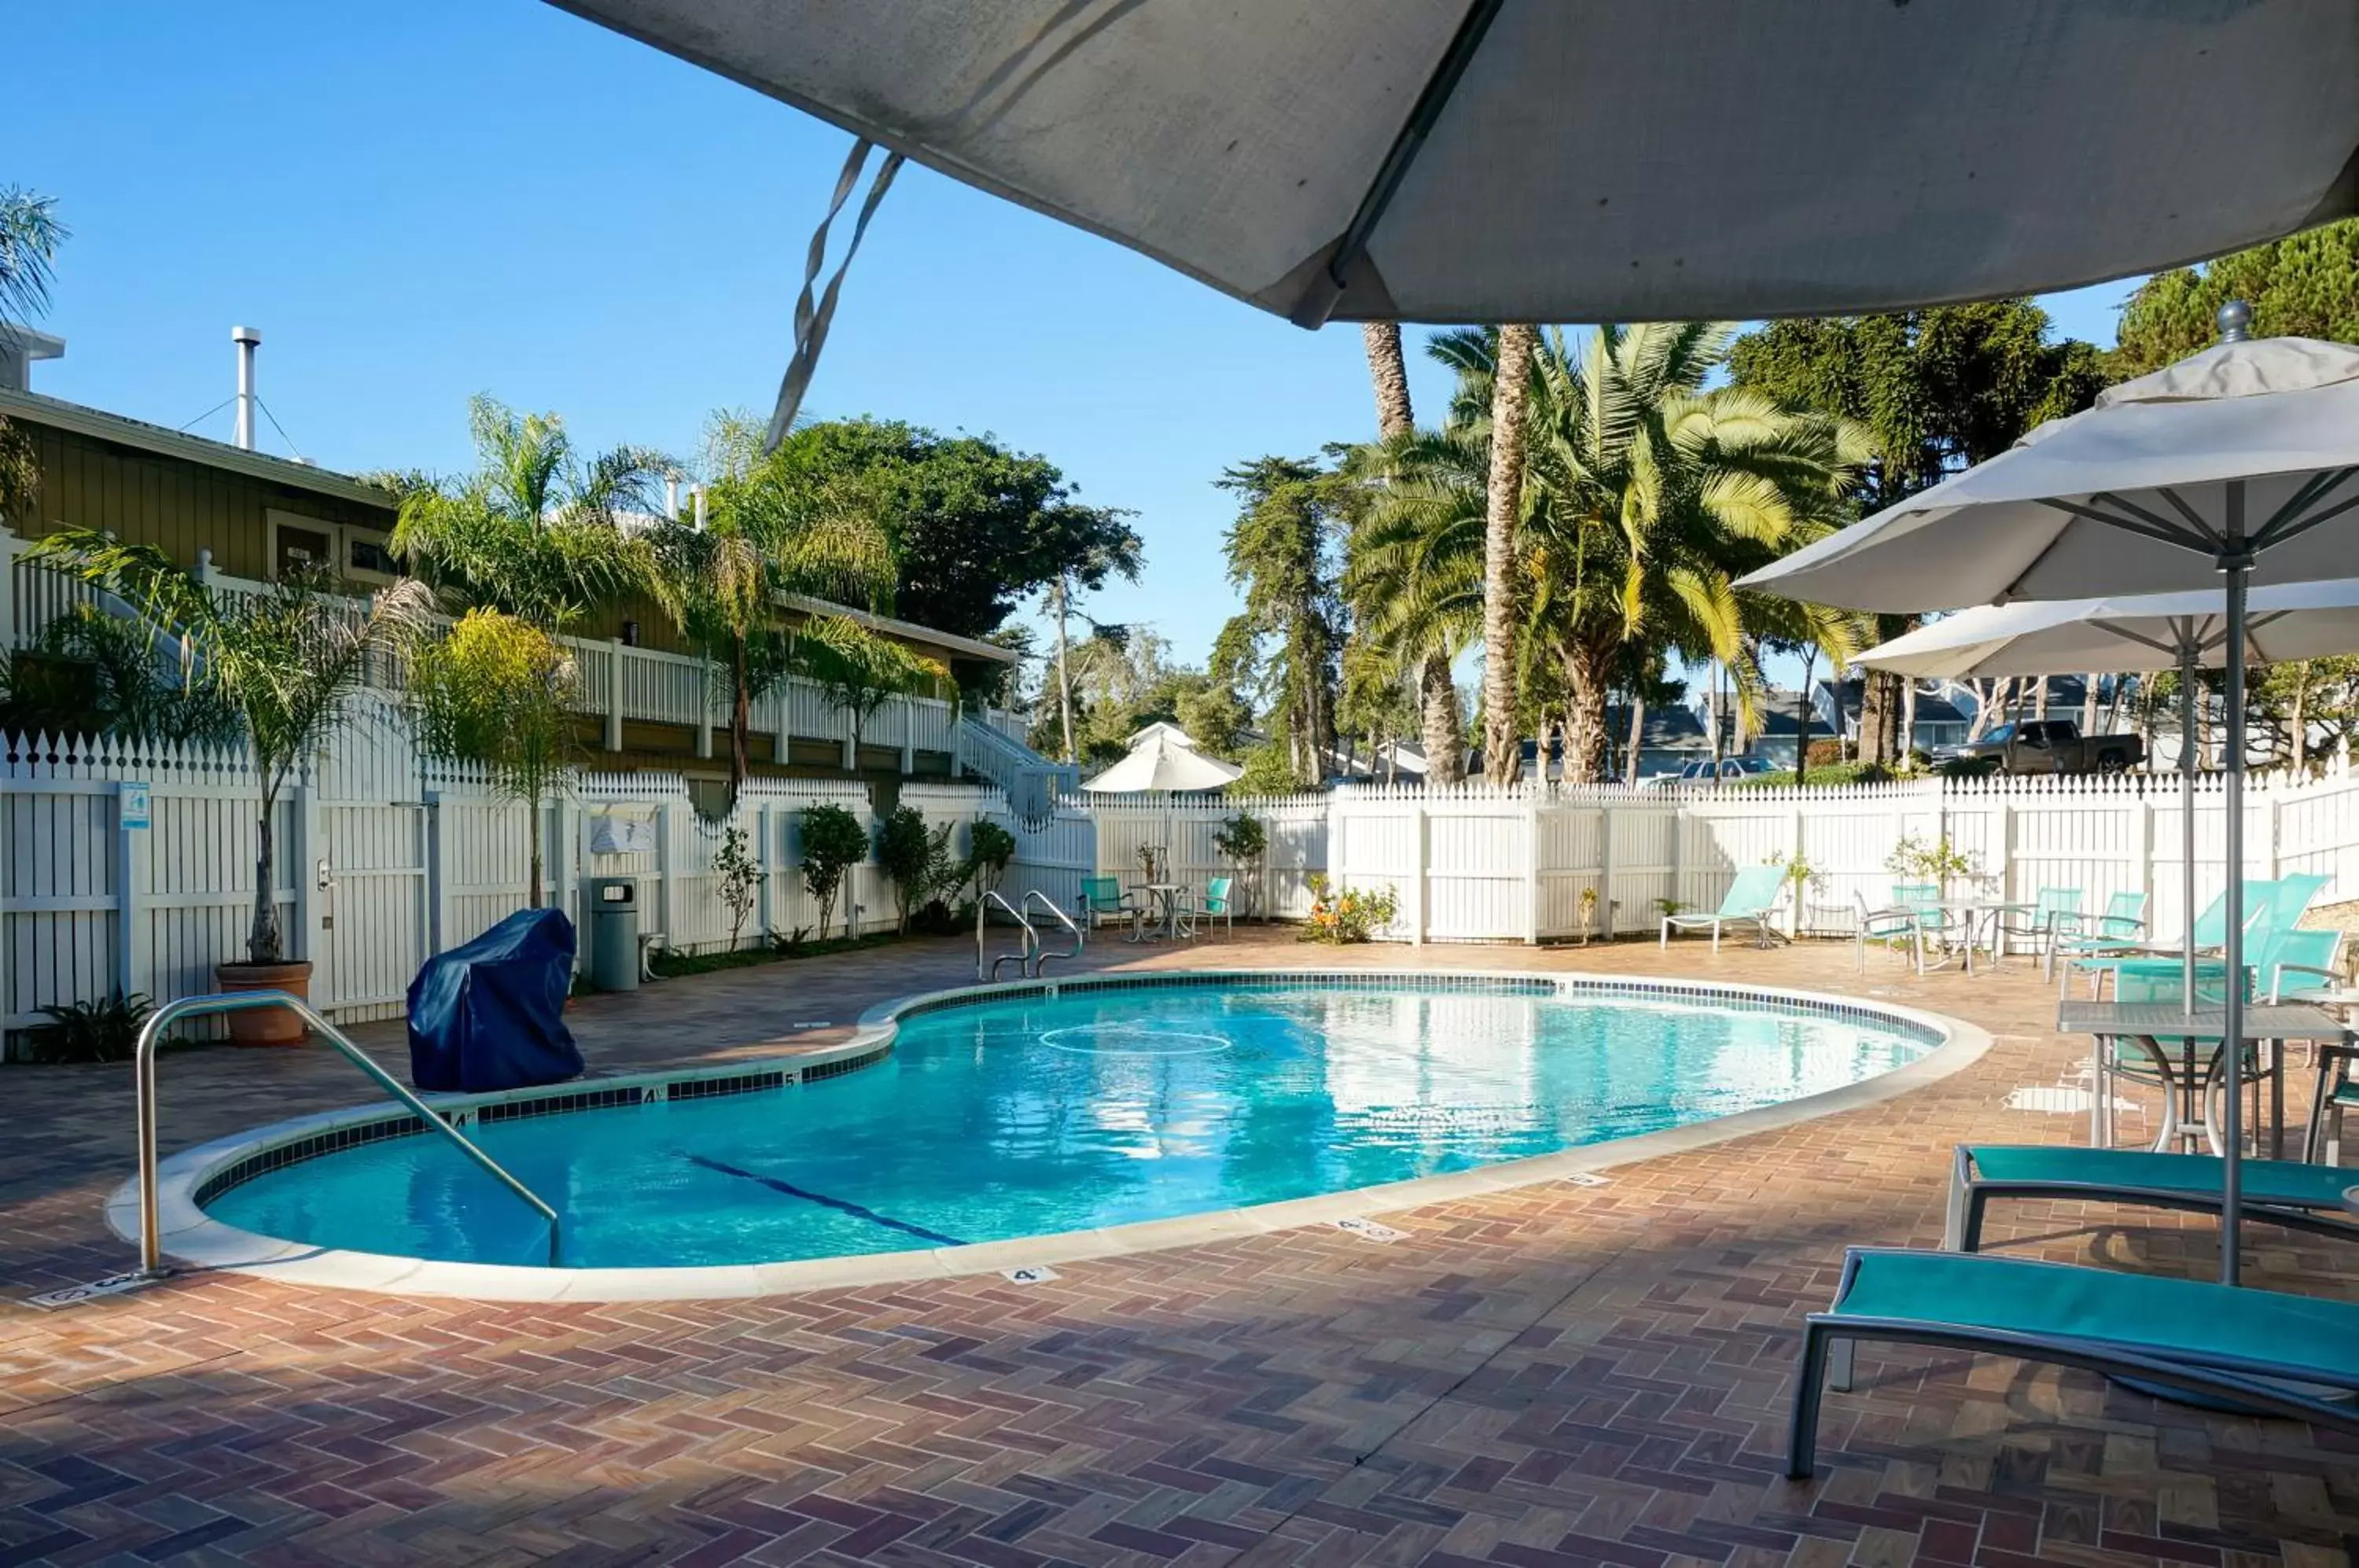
{"x": 1040, "y": 958}
{"x": 1022, "y": 956}
{"x": 151, "y": 1244}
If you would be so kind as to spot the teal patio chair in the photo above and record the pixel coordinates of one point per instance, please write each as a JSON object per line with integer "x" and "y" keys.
{"x": 1103, "y": 899}
{"x": 2260, "y": 1350}
{"x": 2039, "y": 925}
{"x": 2273, "y": 909}
{"x": 1218, "y": 904}
{"x": 1750, "y": 899}
{"x": 1897, "y": 922}
{"x": 2122, "y": 927}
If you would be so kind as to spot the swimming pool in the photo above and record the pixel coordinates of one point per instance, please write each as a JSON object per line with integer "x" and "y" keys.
{"x": 1014, "y": 1114}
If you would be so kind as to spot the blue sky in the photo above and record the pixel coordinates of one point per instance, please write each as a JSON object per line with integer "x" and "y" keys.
{"x": 418, "y": 201}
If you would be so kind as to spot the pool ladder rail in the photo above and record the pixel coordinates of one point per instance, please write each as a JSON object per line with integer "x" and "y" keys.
{"x": 1030, "y": 959}
{"x": 151, "y": 1247}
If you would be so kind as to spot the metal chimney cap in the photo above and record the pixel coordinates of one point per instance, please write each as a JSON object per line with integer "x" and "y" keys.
{"x": 245, "y": 334}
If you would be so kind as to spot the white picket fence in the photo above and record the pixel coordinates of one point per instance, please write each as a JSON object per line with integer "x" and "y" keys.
{"x": 382, "y": 861}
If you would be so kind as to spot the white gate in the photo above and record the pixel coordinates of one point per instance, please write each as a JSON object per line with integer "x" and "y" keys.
{"x": 376, "y": 926}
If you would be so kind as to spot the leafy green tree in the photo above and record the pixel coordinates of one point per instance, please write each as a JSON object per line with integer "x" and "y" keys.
{"x": 1938, "y": 390}
{"x": 771, "y": 529}
{"x": 737, "y": 879}
{"x": 834, "y": 842}
{"x": 288, "y": 660}
{"x": 990, "y": 847}
{"x": 2305, "y": 285}
{"x": 499, "y": 692}
{"x": 1284, "y": 560}
{"x": 30, "y": 235}
{"x": 534, "y": 532}
{"x": 976, "y": 529}
{"x": 1268, "y": 771}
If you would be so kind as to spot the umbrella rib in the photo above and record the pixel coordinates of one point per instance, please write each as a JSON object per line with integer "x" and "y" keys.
{"x": 1319, "y": 303}
{"x": 2277, "y": 532}
{"x": 2312, "y": 489}
{"x": 2124, "y": 632}
{"x": 2150, "y": 527}
{"x": 2178, "y": 504}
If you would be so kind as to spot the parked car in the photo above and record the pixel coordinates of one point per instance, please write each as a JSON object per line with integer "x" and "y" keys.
{"x": 1707, "y": 771}
{"x": 2052, "y": 746}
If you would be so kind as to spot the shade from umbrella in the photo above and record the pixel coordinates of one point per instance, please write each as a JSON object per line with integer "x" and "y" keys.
{"x": 1159, "y": 764}
{"x": 1485, "y": 160}
{"x": 2235, "y": 463}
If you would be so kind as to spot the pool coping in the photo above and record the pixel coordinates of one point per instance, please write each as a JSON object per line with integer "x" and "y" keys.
{"x": 194, "y": 1240}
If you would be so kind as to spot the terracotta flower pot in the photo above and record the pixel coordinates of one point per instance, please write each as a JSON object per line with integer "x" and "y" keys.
{"x": 265, "y": 1026}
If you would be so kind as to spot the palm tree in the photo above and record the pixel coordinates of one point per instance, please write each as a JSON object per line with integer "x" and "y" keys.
{"x": 769, "y": 532}
{"x": 1444, "y": 726}
{"x": 1510, "y": 400}
{"x": 535, "y": 532}
{"x": 1643, "y": 499}
{"x": 288, "y": 660}
{"x": 29, "y": 236}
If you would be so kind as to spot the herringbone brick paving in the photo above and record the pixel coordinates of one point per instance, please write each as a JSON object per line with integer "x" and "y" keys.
{"x": 1558, "y": 1375}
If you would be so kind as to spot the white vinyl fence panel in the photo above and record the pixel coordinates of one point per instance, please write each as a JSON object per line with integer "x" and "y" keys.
{"x": 381, "y": 862}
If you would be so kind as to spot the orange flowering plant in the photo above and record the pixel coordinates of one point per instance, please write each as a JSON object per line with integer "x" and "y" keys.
{"x": 1346, "y": 915}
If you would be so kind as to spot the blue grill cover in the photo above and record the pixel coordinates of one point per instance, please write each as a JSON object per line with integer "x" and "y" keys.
{"x": 491, "y": 1014}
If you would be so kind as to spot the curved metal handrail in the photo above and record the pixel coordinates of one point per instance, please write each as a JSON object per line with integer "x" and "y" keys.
{"x": 151, "y": 1244}
{"x": 1022, "y": 955}
{"x": 1040, "y": 959}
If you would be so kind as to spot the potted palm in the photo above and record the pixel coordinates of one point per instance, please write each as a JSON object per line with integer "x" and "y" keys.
{"x": 288, "y": 661}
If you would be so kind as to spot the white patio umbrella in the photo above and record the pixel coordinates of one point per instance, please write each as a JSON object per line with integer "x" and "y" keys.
{"x": 2294, "y": 621}
{"x": 1161, "y": 764}
{"x": 1533, "y": 161}
{"x": 2236, "y": 464}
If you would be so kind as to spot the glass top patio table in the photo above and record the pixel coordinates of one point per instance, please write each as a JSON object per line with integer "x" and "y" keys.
{"x": 2148, "y": 1025}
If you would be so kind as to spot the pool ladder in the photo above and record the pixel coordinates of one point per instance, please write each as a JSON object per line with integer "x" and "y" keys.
{"x": 1030, "y": 959}
{"x": 151, "y": 1243}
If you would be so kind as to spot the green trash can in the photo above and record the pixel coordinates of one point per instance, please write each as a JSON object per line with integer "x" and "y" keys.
{"x": 613, "y": 932}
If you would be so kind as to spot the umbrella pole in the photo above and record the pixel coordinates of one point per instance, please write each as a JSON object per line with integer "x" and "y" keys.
{"x": 2188, "y": 763}
{"x": 2239, "y": 567}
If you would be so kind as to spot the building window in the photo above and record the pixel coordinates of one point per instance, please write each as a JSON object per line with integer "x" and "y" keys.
{"x": 346, "y": 550}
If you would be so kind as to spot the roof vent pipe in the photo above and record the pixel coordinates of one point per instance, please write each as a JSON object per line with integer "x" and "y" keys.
{"x": 247, "y": 341}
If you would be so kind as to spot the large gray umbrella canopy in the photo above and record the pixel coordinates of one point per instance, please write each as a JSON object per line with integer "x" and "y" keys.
{"x": 1485, "y": 160}
{"x": 2235, "y": 464}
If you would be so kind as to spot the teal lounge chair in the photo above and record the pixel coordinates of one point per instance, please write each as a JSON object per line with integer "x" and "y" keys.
{"x": 1750, "y": 899}
{"x": 2254, "y": 1349}
{"x": 2262, "y": 902}
{"x": 2283, "y": 1192}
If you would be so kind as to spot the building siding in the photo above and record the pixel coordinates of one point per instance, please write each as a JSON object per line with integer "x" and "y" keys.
{"x": 145, "y": 498}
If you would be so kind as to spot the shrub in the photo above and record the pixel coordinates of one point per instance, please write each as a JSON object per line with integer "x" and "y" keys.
{"x": 738, "y": 879}
{"x": 1351, "y": 915}
{"x": 989, "y": 849}
{"x": 834, "y": 842}
{"x": 916, "y": 857}
{"x": 92, "y": 1031}
{"x": 1825, "y": 752}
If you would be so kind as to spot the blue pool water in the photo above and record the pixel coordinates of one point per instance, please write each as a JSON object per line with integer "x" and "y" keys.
{"x": 1099, "y": 1108}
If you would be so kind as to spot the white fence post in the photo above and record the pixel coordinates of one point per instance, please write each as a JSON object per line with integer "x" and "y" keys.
{"x": 1422, "y": 879}
{"x": 704, "y": 710}
{"x": 309, "y": 872}
{"x": 766, "y": 911}
{"x": 1607, "y": 902}
{"x": 1532, "y": 864}
{"x": 133, "y": 964}
{"x": 615, "y": 695}
{"x": 664, "y": 874}
{"x": 908, "y": 735}
{"x": 438, "y": 873}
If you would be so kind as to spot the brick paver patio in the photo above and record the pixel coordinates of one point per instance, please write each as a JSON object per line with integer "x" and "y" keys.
{"x": 1547, "y": 1377}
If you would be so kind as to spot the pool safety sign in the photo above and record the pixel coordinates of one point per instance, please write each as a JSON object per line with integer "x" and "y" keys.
{"x": 1369, "y": 1230}
{"x": 133, "y": 808}
{"x": 73, "y": 1295}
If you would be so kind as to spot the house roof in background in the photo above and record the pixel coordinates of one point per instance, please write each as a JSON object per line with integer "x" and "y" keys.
{"x": 39, "y": 409}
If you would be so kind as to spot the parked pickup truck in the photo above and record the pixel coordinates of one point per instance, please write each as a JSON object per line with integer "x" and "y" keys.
{"x": 2053, "y": 746}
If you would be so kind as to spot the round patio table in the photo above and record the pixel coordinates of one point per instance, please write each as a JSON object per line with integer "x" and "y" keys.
{"x": 1971, "y": 913}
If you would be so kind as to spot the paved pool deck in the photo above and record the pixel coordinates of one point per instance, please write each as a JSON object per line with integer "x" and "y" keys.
{"x": 1550, "y": 1376}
